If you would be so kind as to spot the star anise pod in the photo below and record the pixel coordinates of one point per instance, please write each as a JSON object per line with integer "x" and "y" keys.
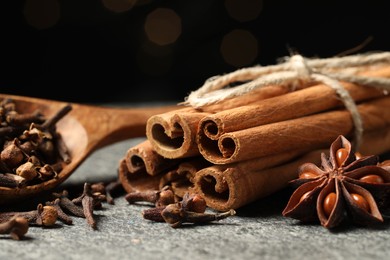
{"x": 344, "y": 186}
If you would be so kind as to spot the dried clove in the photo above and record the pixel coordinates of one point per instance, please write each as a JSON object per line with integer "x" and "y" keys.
{"x": 98, "y": 187}
{"x": 27, "y": 171}
{"x": 67, "y": 204}
{"x": 159, "y": 198}
{"x": 154, "y": 214}
{"x": 61, "y": 214}
{"x": 11, "y": 180}
{"x": 16, "y": 227}
{"x": 112, "y": 188}
{"x": 175, "y": 215}
{"x": 193, "y": 202}
{"x": 191, "y": 209}
{"x": 42, "y": 216}
{"x": 12, "y": 155}
{"x": 106, "y": 190}
{"x": 88, "y": 202}
{"x": 189, "y": 202}
{"x": 51, "y": 122}
{"x": 16, "y": 119}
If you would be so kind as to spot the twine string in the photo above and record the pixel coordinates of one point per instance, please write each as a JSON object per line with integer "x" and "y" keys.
{"x": 293, "y": 71}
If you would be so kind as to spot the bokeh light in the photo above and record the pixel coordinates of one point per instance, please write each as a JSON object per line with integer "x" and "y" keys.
{"x": 244, "y": 10}
{"x": 42, "y": 14}
{"x": 163, "y": 26}
{"x": 119, "y": 6}
{"x": 239, "y": 48}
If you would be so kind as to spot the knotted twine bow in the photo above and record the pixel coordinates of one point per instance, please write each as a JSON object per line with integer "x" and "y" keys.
{"x": 297, "y": 69}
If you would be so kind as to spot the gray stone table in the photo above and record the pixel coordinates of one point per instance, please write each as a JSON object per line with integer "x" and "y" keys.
{"x": 258, "y": 231}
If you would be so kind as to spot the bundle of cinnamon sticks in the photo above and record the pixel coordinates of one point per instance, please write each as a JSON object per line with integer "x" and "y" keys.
{"x": 247, "y": 147}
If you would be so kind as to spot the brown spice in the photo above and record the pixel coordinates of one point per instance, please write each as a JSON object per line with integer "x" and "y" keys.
{"x": 66, "y": 203}
{"x": 88, "y": 202}
{"x": 42, "y": 216}
{"x": 16, "y": 227}
{"x": 191, "y": 209}
{"x": 339, "y": 189}
{"x": 27, "y": 136}
{"x": 161, "y": 197}
{"x": 174, "y": 215}
{"x": 61, "y": 214}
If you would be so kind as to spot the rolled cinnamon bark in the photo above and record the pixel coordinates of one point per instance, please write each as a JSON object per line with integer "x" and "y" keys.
{"x": 142, "y": 168}
{"x": 376, "y": 142}
{"x": 232, "y": 186}
{"x": 142, "y": 157}
{"x": 173, "y": 134}
{"x": 310, "y": 132}
{"x": 292, "y": 105}
{"x": 137, "y": 181}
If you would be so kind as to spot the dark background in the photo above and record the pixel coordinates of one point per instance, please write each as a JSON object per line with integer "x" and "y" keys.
{"x": 149, "y": 50}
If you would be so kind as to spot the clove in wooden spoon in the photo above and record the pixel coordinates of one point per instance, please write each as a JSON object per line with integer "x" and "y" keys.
{"x": 84, "y": 129}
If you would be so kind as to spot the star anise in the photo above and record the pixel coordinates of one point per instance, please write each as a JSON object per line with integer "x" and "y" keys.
{"x": 345, "y": 186}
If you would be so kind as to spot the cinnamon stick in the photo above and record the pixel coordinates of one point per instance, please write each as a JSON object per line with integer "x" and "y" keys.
{"x": 173, "y": 134}
{"x": 232, "y": 186}
{"x": 142, "y": 157}
{"x": 291, "y": 105}
{"x": 310, "y": 132}
{"x": 142, "y": 168}
{"x": 376, "y": 142}
{"x": 137, "y": 181}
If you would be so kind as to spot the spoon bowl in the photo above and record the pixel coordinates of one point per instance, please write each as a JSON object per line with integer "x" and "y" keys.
{"x": 84, "y": 129}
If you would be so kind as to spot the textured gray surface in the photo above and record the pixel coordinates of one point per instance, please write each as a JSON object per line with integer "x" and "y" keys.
{"x": 258, "y": 231}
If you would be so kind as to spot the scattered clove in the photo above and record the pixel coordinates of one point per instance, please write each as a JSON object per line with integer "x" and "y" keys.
{"x": 154, "y": 214}
{"x": 175, "y": 215}
{"x": 193, "y": 202}
{"x": 114, "y": 187}
{"x": 42, "y": 216}
{"x": 191, "y": 209}
{"x": 159, "y": 198}
{"x": 107, "y": 189}
{"x": 16, "y": 227}
{"x": 67, "y": 204}
{"x": 88, "y": 202}
{"x": 61, "y": 214}
{"x": 98, "y": 187}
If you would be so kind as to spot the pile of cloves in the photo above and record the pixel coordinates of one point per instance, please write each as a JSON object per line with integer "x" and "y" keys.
{"x": 32, "y": 151}
{"x": 166, "y": 207}
{"x": 61, "y": 207}
{"x": 169, "y": 208}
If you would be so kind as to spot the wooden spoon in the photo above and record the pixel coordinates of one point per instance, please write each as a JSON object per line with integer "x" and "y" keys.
{"x": 84, "y": 129}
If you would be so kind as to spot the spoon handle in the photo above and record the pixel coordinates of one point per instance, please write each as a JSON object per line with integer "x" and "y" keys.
{"x": 107, "y": 125}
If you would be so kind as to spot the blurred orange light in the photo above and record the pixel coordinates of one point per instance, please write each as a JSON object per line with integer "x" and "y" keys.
{"x": 244, "y": 10}
{"x": 42, "y": 14}
{"x": 239, "y": 48}
{"x": 119, "y": 6}
{"x": 163, "y": 26}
